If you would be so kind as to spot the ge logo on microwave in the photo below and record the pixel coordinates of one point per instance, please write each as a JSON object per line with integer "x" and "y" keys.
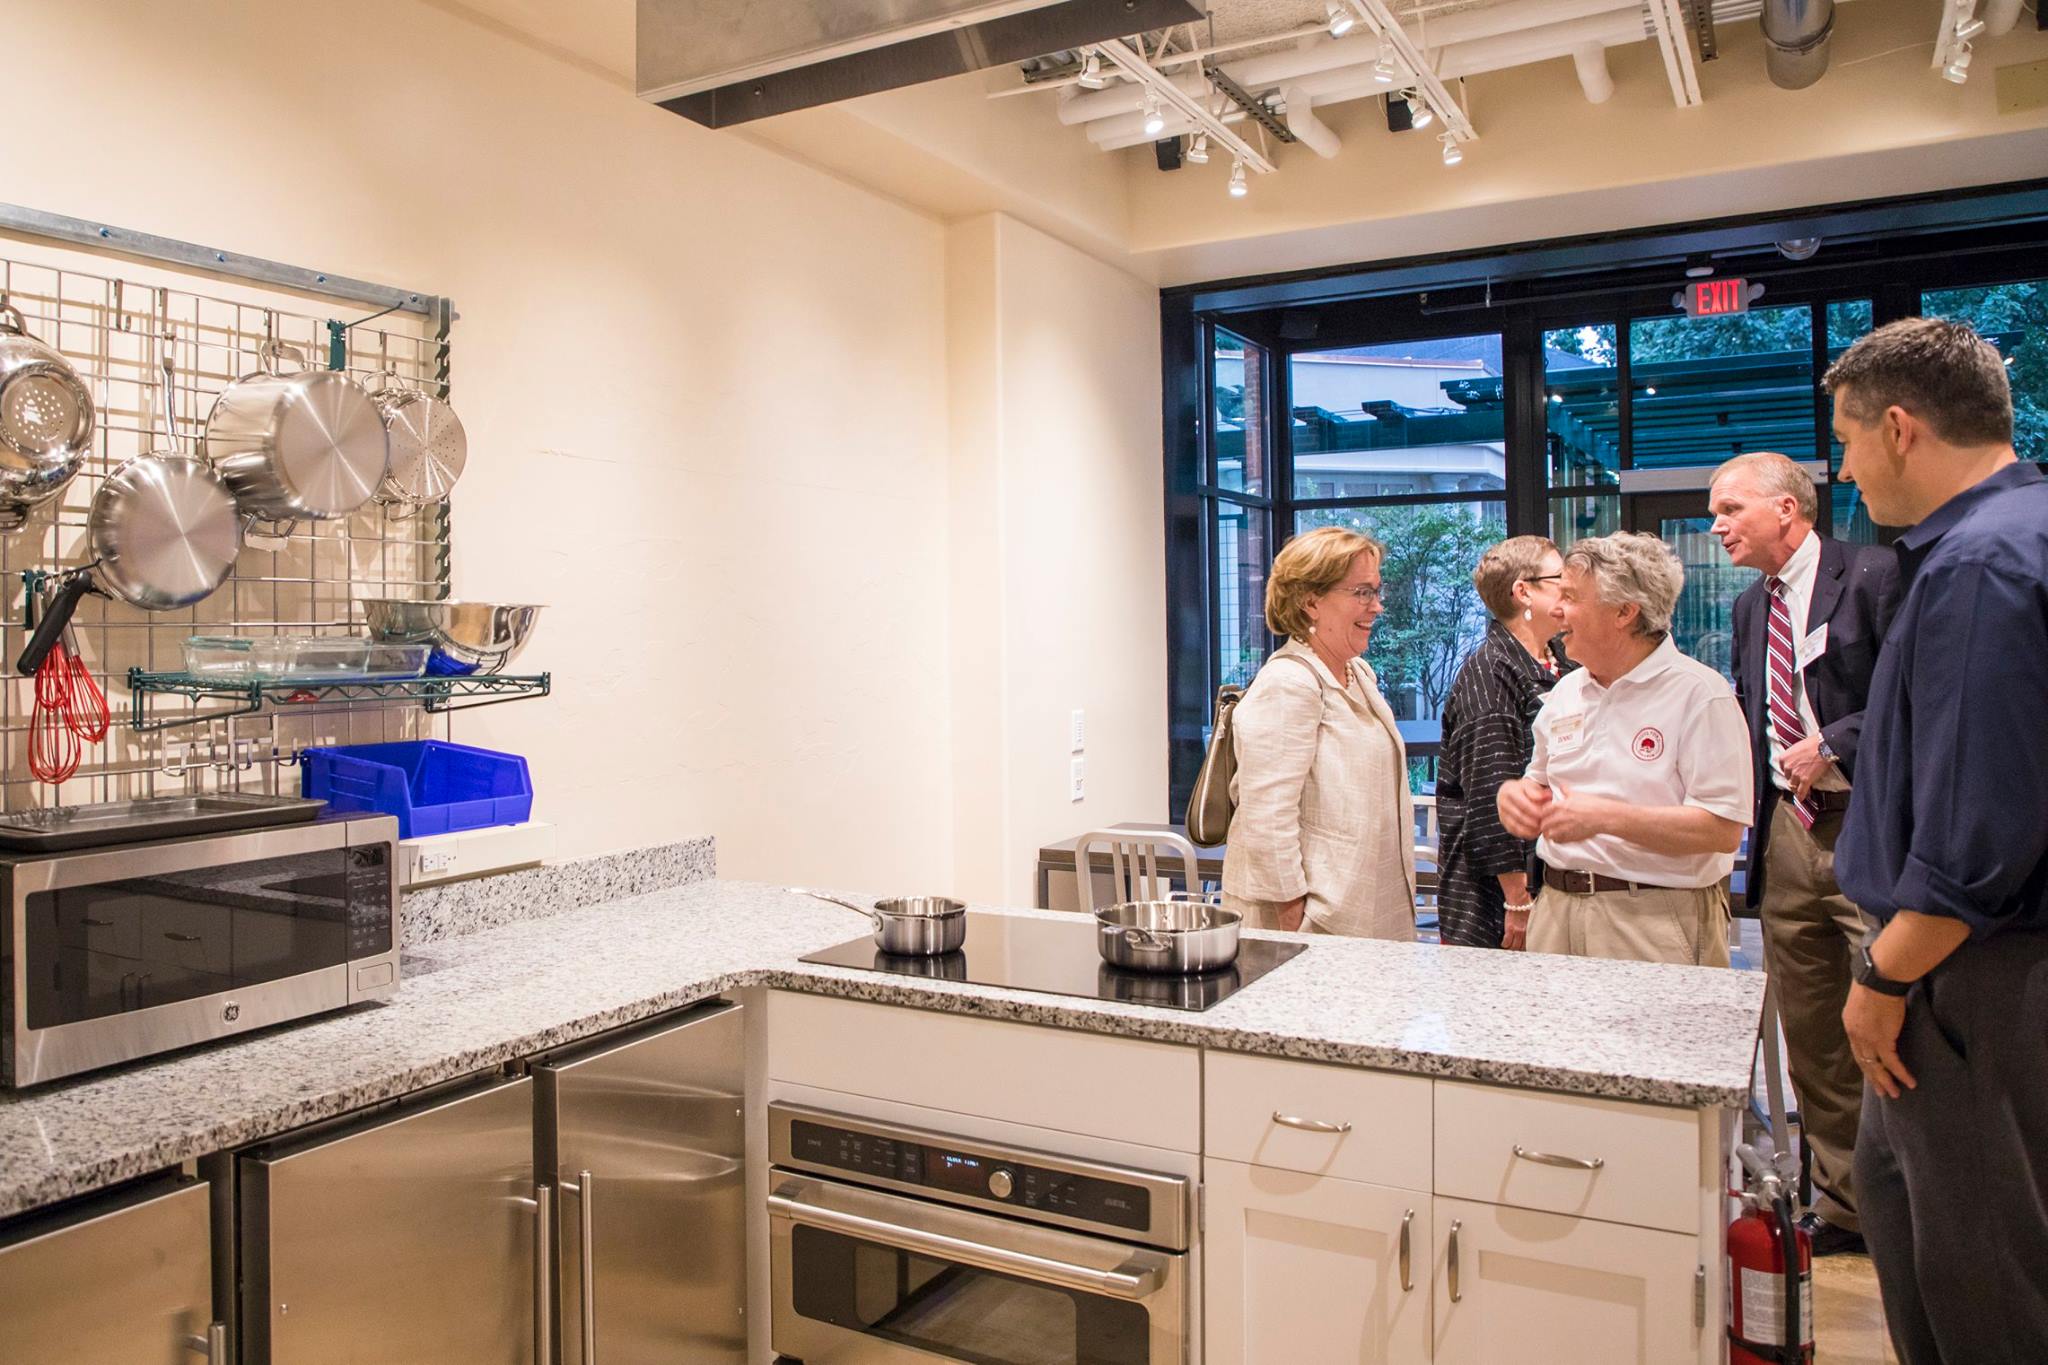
{"x": 230, "y": 1012}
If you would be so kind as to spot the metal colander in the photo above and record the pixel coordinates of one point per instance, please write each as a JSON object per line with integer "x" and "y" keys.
{"x": 428, "y": 447}
{"x": 40, "y": 414}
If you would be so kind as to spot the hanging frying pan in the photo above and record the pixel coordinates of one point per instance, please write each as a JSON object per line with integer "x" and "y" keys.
{"x": 164, "y": 532}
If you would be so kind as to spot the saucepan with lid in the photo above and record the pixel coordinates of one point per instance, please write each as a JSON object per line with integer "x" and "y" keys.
{"x": 910, "y": 926}
{"x": 1180, "y": 935}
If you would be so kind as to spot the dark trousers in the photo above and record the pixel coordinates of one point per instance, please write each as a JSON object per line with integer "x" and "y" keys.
{"x": 1952, "y": 1177}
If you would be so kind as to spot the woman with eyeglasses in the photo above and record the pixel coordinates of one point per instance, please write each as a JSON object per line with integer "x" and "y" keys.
{"x": 1483, "y": 897}
{"x": 1320, "y": 839}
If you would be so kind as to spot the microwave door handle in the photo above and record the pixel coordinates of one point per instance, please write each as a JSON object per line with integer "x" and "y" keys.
{"x": 1132, "y": 1281}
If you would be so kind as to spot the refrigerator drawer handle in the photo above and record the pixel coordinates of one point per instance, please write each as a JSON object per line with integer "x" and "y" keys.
{"x": 543, "y": 1274}
{"x": 214, "y": 1345}
{"x": 586, "y": 1225}
{"x": 1131, "y": 1282}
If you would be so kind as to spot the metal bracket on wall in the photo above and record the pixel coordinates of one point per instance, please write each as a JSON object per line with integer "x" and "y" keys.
{"x": 1701, "y": 13}
{"x": 83, "y": 232}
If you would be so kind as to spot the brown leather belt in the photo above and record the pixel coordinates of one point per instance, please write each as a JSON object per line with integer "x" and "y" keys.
{"x": 1586, "y": 883}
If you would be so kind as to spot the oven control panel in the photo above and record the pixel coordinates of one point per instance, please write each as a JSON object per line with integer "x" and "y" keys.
{"x": 976, "y": 1174}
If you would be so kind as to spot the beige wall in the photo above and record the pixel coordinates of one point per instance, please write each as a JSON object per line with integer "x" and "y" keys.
{"x": 1056, "y": 471}
{"x": 705, "y": 391}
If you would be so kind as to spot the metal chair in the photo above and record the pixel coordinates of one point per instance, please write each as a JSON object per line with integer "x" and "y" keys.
{"x": 1135, "y": 872}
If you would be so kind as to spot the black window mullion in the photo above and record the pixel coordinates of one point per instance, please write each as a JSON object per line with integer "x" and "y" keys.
{"x": 1525, "y": 424}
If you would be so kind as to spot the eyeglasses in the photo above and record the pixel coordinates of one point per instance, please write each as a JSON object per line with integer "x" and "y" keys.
{"x": 1543, "y": 578}
{"x": 1364, "y": 592}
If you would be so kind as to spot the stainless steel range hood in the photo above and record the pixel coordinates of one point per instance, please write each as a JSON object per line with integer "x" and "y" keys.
{"x": 722, "y": 62}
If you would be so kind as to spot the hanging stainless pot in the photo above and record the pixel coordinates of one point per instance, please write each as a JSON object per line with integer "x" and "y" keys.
{"x": 164, "y": 532}
{"x": 302, "y": 446}
{"x": 428, "y": 447}
{"x": 1174, "y": 936}
{"x": 46, "y": 420}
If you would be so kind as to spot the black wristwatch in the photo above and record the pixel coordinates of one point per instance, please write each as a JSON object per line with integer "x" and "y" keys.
{"x": 1868, "y": 975}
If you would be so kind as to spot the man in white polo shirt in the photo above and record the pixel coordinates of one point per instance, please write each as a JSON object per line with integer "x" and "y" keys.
{"x": 1640, "y": 785}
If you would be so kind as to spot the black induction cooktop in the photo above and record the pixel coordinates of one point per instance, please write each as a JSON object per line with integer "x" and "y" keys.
{"x": 1058, "y": 956}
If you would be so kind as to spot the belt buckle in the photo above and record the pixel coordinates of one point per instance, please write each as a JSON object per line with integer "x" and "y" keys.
{"x": 1578, "y": 883}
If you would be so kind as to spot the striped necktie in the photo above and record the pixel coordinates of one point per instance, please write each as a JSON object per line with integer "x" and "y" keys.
{"x": 1786, "y": 722}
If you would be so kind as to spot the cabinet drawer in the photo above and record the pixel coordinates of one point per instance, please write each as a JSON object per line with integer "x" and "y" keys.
{"x": 1517, "y": 1147}
{"x": 1383, "y": 1118}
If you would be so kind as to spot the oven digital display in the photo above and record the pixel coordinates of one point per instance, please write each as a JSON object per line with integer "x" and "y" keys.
{"x": 1113, "y": 1203}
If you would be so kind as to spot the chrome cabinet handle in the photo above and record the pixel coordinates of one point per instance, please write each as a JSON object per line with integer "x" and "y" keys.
{"x": 543, "y": 1274}
{"x": 214, "y": 1345}
{"x": 1122, "y": 1283}
{"x": 1407, "y": 1228}
{"x": 1455, "y": 1295}
{"x": 1576, "y": 1163}
{"x": 586, "y": 1225}
{"x": 1309, "y": 1125}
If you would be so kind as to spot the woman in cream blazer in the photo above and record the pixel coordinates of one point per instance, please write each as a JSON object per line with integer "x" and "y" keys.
{"x": 1321, "y": 838}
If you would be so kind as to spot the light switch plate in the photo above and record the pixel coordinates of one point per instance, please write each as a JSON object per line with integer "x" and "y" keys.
{"x": 1075, "y": 777}
{"x": 1077, "y": 734}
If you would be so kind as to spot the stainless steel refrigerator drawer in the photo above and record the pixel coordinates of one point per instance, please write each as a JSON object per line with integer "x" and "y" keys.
{"x": 410, "y": 1237}
{"x": 644, "y": 1136}
{"x": 129, "y": 1282}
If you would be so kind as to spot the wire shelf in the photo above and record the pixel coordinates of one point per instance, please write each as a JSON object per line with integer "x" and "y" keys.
{"x": 115, "y": 330}
{"x": 437, "y": 694}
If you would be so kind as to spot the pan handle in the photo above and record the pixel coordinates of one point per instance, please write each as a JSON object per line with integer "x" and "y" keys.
{"x": 169, "y": 390}
{"x": 873, "y": 918}
{"x": 54, "y": 620}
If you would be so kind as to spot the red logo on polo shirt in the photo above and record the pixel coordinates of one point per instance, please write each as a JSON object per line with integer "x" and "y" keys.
{"x": 1649, "y": 744}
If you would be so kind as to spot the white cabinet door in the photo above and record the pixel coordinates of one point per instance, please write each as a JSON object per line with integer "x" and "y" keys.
{"x": 1301, "y": 1268}
{"x": 1543, "y": 1289}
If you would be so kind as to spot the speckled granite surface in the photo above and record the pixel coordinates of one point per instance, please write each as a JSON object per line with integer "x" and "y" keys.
{"x": 1672, "y": 1035}
{"x": 433, "y": 913}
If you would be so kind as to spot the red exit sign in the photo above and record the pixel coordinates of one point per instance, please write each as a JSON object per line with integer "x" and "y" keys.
{"x": 1716, "y": 298}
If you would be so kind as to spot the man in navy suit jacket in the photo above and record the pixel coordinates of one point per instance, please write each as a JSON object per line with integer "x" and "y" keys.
{"x": 1806, "y": 643}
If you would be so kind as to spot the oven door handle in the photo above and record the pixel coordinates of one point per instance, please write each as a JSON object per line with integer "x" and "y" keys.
{"x": 1133, "y": 1280}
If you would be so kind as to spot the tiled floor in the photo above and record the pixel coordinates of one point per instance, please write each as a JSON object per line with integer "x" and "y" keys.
{"x": 1848, "y": 1317}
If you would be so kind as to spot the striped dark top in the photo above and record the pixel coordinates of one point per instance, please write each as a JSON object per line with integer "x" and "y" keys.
{"x": 1499, "y": 690}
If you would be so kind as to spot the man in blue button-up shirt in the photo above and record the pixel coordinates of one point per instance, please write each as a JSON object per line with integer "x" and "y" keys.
{"x": 1946, "y": 847}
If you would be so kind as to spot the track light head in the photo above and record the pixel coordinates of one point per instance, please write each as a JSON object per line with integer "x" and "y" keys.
{"x": 1198, "y": 150}
{"x": 1453, "y": 153}
{"x": 1338, "y": 18}
{"x": 1155, "y": 122}
{"x": 1238, "y": 188}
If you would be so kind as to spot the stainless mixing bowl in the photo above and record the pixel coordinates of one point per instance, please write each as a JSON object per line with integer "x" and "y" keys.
{"x": 466, "y": 637}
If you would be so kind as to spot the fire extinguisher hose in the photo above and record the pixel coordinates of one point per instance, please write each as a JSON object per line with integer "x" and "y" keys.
{"x": 1788, "y": 1233}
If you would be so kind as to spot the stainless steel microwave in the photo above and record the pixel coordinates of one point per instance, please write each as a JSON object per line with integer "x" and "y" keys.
{"x": 111, "y": 954}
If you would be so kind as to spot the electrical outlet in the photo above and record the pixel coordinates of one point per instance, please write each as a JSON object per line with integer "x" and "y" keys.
{"x": 1074, "y": 779}
{"x": 1077, "y": 732}
{"x": 436, "y": 859}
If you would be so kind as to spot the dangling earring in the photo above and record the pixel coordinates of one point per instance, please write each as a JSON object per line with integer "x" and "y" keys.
{"x": 1528, "y": 613}
{"x": 1311, "y": 627}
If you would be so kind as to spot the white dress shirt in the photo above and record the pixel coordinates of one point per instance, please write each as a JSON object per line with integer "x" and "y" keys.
{"x": 1797, "y": 576}
{"x": 1668, "y": 732}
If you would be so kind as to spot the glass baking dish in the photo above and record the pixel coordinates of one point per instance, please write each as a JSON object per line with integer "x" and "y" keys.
{"x": 302, "y": 658}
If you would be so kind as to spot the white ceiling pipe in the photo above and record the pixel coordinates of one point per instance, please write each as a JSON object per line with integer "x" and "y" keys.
{"x": 1591, "y": 63}
{"x": 1465, "y": 59}
{"x": 1309, "y": 130}
{"x": 2000, "y": 16}
{"x": 1360, "y": 47}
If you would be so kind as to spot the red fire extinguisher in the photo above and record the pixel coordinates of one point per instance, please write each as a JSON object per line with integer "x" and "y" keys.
{"x": 1770, "y": 1291}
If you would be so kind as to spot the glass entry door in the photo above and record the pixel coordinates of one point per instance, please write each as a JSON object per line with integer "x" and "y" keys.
{"x": 1704, "y": 623}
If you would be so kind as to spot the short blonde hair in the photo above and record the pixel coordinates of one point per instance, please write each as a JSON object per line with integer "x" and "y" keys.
{"x": 1632, "y": 568}
{"x": 1774, "y": 476}
{"x": 1505, "y": 565}
{"x": 1307, "y": 566}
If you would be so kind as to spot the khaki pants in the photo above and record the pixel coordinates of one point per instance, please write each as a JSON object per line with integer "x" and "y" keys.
{"x": 1811, "y": 933}
{"x": 1654, "y": 924}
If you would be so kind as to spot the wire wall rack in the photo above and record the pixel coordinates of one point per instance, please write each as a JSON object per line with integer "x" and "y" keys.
{"x": 116, "y": 331}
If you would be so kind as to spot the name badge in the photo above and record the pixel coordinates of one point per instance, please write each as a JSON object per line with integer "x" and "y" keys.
{"x": 1813, "y": 646}
{"x": 1568, "y": 732}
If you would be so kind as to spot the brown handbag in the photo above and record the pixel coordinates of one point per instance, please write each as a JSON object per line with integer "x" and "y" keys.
{"x": 1210, "y": 805}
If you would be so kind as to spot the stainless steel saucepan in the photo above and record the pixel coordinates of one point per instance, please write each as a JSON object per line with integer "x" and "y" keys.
{"x": 910, "y": 926}
{"x": 307, "y": 445}
{"x": 1181, "y": 935}
{"x": 164, "y": 532}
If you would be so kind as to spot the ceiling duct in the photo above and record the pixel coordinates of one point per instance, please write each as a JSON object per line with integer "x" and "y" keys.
{"x": 1796, "y": 35}
{"x": 721, "y": 62}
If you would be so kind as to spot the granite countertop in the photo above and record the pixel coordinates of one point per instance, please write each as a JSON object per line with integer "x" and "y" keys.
{"x": 1633, "y": 1031}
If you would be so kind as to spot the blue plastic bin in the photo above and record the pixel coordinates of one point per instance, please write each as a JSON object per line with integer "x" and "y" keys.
{"x": 431, "y": 786}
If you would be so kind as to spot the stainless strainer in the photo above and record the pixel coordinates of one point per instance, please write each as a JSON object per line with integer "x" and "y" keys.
{"x": 428, "y": 447}
{"x": 46, "y": 420}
